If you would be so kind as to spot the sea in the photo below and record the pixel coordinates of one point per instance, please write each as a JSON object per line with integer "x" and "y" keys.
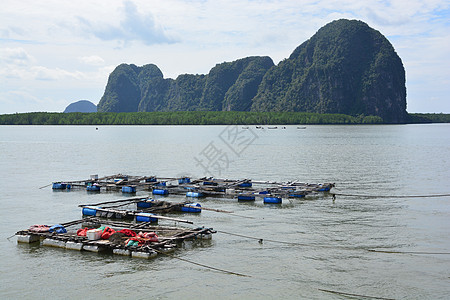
{"x": 385, "y": 234}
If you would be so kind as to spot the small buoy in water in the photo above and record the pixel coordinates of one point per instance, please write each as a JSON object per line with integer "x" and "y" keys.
{"x": 96, "y": 128}
{"x": 260, "y": 241}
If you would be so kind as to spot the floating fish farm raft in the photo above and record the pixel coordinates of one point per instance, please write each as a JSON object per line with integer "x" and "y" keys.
{"x": 92, "y": 234}
{"x": 129, "y": 226}
{"x": 243, "y": 190}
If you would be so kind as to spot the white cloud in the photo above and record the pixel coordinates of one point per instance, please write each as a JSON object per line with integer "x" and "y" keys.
{"x": 15, "y": 56}
{"x": 92, "y": 60}
{"x": 133, "y": 26}
{"x": 44, "y": 73}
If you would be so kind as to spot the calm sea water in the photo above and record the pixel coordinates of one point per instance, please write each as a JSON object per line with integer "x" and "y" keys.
{"x": 333, "y": 237}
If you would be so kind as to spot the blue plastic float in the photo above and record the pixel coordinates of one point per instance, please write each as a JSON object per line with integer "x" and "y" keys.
{"x": 59, "y": 186}
{"x": 195, "y": 194}
{"x": 145, "y": 204}
{"x": 129, "y": 189}
{"x": 90, "y": 211}
{"x": 160, "y": 192}
{"x": 93, "y": 188}
{"x": 246, "y": 198}
{"x": 146, "y": 217}
{"x": 184, "y": 180}
{"x": 272, "y": 200}
{"x": 192, "y": 208}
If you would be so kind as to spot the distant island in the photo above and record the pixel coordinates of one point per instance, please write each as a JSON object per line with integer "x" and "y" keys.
{"x": 84, "y": 106}
{"x": 345, "y": 68}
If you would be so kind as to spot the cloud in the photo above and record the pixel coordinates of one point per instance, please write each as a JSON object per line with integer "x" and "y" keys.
{"x": 44, "y": 73}
{"x": 15, "y": 56}
{"x": 93, "y": 60}
{"x": 16, "y": 63}
{"x": 133, "y": 27}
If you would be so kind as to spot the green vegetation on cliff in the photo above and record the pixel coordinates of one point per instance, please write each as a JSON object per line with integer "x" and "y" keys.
{"x": 228, "y": 86}
{"x": 346, "y": 67}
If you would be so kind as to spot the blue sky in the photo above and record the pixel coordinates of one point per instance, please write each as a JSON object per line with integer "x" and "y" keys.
{"x": 56, "y": 52}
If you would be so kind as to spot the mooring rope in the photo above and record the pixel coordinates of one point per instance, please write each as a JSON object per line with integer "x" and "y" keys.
{"x": 391, "y": 196}
{"x": 202, "y": 265}
{"x": 407, "y": 252}
{"x": 261, "y": 240}
{"x": 354, "y": 295}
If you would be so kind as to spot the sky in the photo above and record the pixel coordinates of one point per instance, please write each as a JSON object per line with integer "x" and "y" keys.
{"x": 56, "y": 52}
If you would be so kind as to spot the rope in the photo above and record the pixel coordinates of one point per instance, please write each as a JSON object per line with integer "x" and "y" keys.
{"x": 407, "y": 252}
{"x": 381, "y": 196}
{"x": 202, "y": 265}
{"x": 274, "y": 241}
{"x": 328, "y": 246}
{"x": 45, "y": 186}
{"x": 354, "y": 295}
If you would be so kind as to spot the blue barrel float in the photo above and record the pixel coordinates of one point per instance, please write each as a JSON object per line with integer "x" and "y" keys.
{"x": 195, "y": 194}
{"x": 272, "y": 200}
{"x": 93, "y": 188}
{"x": 209, "y": 183}
{"x": 297, "y": 194}
{"x": 90, "y": 210}
{"x": 146, "y": 217}
{"x": 191, "y": 207}
{"x": 245, "y": 184}
{"x": 129, "y": 189}
{"x": 160, "y": 192}
{"x": 145, "y": 203}
{"x": 151, "y": 179}
{"x": 184, "y": 180}
{"x": 246, "y": 198}
{"x": 59, "y": 186}
{"x": 161, "y": 183}
{"x": 324, "y": 188}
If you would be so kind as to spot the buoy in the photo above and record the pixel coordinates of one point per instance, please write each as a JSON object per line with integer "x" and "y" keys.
{"x": 129, "y": 189}
{"x": 191, "y": 207}
{"x": 89, "y": 210}
{"x": 195, "y": 194}
{"x": 93, "y": 188}
{"x": 184, "y": 180}
{"x": 297, "y": 195}
{"x": 145, "y": 204}
{"x": 141, "y": 254}
{"x": 59, "y": 186}
{"x": 160, "y": 192}
{"x": 209, "y": 183}
{"x": 246, "y": 198}
{"x": 146, "y": 217}
{"x": 272, "y": 200}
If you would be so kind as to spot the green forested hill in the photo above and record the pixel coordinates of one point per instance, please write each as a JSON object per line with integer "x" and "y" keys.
{"x": 228, "y": 86}
{"x": 345, "y": 68}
